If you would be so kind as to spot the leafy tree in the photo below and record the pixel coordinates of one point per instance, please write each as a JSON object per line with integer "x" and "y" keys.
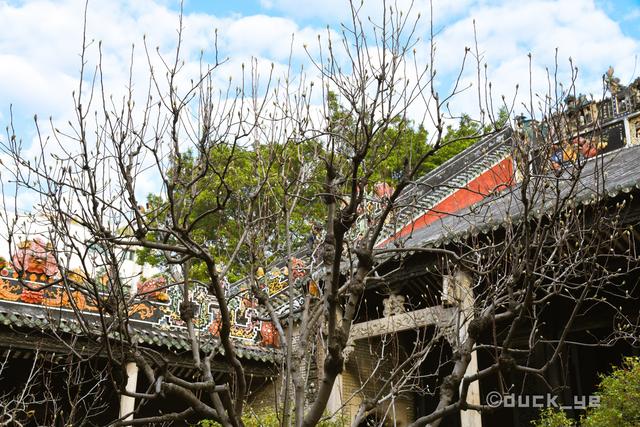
{"x": 403, "y": 143}
{"x": 458, "y": 139}
{"x": 249, "y": 170}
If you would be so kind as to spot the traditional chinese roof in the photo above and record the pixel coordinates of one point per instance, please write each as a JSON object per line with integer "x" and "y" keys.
{"x": 621, "y": 175}
{"x": 46, "y": 320}
{"x": 465, "y": 195}
{"x": 438, "y": 193}
{"x": 155, "y": 321}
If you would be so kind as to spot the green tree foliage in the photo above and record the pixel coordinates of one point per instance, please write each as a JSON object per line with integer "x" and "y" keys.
{"x": 458, "y": 138}
{"x": 619, "y": 394}
{"x": 237, "y": 172}
{"x": 399, "y": 144}
{"x": 221, "y": 231}
{"x": 276, "y": 167}
{"x": 404, "y": 142}
{"x": 619, "y": 398}
{"x": 552, "y": 417}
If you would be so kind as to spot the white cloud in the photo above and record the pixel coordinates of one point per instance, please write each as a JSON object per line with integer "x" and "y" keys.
{"x": 506, "y": 34}
{"x": 40, "y": 41}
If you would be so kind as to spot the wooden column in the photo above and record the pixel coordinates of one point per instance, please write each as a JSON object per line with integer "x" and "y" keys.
{"x": 470, "y": 417}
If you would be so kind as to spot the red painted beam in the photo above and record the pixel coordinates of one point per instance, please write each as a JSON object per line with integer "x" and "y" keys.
{"x": 497, "y": 178}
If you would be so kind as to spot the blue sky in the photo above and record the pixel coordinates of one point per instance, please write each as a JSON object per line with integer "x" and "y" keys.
{"x": 40, "y": 42}
{"x": 225, "y": 8}
{"x": 626, "y": 12}
{"x": 39, "y": 39}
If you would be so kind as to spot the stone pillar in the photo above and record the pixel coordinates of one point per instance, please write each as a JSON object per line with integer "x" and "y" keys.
{"x": 470, "y": 417}
{"x": 629, "y": 137}
{"x": 128, "y": 403}
{"x": 334, "y": 404}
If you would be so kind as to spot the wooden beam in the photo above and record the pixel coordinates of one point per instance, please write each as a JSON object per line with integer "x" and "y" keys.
{"x": 436, "y": 315}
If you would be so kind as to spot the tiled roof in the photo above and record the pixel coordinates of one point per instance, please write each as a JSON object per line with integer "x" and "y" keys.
{"x": 456, "y": 173}
{"x": 30, "y": 299}
{"x": 621, "y": 175}
{"x": 46, "y": 319}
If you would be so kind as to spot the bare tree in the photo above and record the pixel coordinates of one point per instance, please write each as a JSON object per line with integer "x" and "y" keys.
{"x": 548, "y": 253}
{"x": 319, "y": 161}
{"x": 55, "y": 391}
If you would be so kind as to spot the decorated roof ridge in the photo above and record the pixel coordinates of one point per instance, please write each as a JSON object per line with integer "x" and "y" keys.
{"x": 153, "y": 321}
{"x": 437, "y": 193}
{"x": 494, "y": 212}
{"x": 157, "y": 305}
{"x": 596, "y": 127}
{"x": 275, "y": 280}
{"x": 455, "y": 185}
{"x": 480, "y": 180}
{"x": 456, "y": 164}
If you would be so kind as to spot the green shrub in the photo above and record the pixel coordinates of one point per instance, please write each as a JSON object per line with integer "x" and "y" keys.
{"x": 552, "y": 417}
{"x": 268, "y": 418}
{"x": 619, "y": 401}
{"x": 619, "y": 398}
